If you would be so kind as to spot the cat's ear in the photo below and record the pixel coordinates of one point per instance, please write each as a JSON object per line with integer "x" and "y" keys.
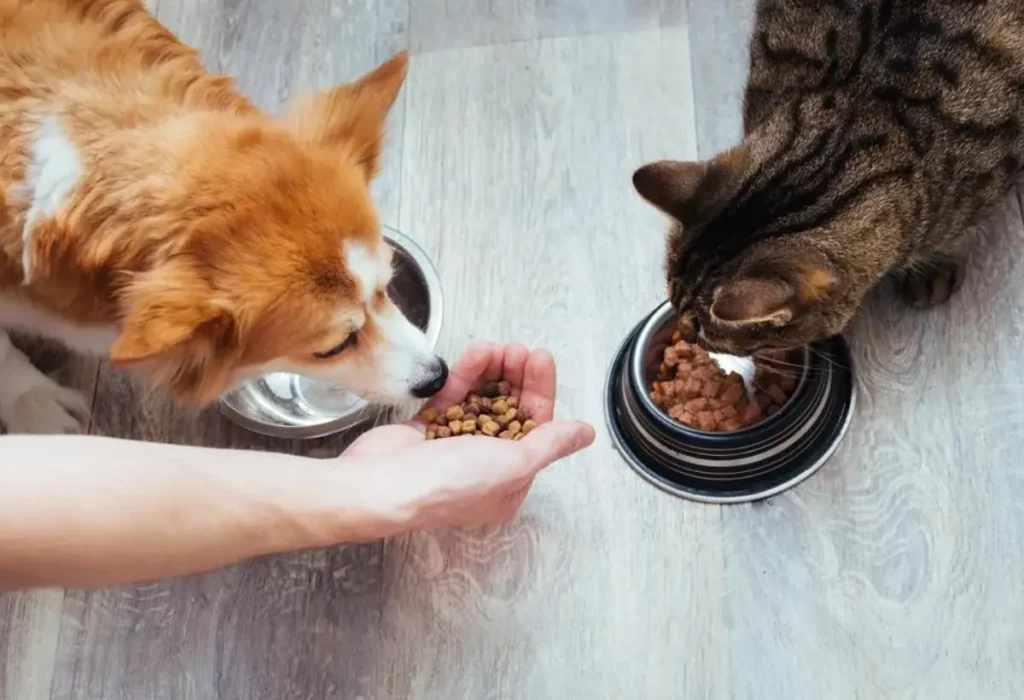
{"x": 687, "y": 190}
{"x": 772, "y": 300}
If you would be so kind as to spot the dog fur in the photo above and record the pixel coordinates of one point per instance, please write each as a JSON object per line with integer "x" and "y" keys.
{"x": 150, "y": 213}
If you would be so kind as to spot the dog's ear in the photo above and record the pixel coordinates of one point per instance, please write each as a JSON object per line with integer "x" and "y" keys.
{"x": 170, "y": 308}
{"x": 156, "y": 327}
{"x": 350, "y": 118}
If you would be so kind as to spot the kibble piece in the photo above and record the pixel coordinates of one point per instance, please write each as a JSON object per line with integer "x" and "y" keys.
{"x": 513, "y": 402}
{"x": 499, "y": 407}
{"x": 706, "y": 421}
{"x": 454, "y": 413}
{"x": 429, "y": 414}
{"x": 692, "y": 387}
{"x": 518, "y": 436}
{"x": 491, "y": 429}
{"x": 515, "y": 427}
{"x": 503, "y": 420}
{"x": 505, "y": 435}
{"x": 528, "y": 425}
{"x": 490, "y": 390}
{"x": 704, "y": 373}
{"x": 730, "y": 425}
{"x": 523, "y": 413}
{"x": 444, "y": 431}
{"x": 696, "y": 405}
{"x": 710, "y": 389}
{"x": 471, "y": 409}
{"x": 778, "y": 395}
{"x": 504, "y": 387}
{"x": 456, "y": 427}
{"x": 677, "y": 411}
{"x": 469, "y": 426}
{"x": 752, "y": 414}
{"x": 688, "y": 419}
{"x": 729, "y": 411}
{"x": 733, "y": 394}
{"x": 431, "y": 433}
{"x": 485, "y": 404}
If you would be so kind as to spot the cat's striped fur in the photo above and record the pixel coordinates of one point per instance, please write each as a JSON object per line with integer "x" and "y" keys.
{"x": 877, "y": 135}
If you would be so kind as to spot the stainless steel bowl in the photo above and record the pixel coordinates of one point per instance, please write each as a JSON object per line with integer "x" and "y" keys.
{"x": 292, "y": 406}
{"x": 747, "y": 465}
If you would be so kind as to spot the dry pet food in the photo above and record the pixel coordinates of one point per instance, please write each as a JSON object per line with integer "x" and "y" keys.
{"x": 695, "y": 391}
{"x": 491, "y": 411}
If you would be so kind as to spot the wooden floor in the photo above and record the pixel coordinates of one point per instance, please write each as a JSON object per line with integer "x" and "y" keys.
{"x": 897, "y": 572}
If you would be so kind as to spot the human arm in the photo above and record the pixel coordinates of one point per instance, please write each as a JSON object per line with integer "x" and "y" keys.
{"x": 89, "y": 511}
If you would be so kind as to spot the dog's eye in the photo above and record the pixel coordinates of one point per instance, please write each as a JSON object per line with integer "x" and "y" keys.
{"x": 349, "y": 342}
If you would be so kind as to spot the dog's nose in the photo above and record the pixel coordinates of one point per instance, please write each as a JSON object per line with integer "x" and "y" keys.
{"x": 434, "y": 384}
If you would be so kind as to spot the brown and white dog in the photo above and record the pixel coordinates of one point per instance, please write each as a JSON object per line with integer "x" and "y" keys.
{"x": 150, "y": 213}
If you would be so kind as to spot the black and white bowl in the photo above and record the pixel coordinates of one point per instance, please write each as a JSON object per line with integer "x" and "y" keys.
{"x": 747, "y": 465}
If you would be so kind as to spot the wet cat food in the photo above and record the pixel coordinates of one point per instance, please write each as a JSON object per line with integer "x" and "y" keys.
{"x": 692, "y": 389}
{"x": 491, "y": 411}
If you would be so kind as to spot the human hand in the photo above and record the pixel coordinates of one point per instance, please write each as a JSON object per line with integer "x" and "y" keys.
{"x": 471, "y": 480}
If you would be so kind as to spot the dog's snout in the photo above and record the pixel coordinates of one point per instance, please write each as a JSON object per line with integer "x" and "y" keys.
{"x": 434, "y": 382}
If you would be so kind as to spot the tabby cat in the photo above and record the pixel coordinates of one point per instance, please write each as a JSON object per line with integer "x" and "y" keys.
{"x": 877, "y": 135}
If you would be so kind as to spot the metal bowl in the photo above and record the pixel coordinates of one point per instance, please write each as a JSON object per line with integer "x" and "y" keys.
{"x": 292, "y": 406}
{"x": 746, "y": 465}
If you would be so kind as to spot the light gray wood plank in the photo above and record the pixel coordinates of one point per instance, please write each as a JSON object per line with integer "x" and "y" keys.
{"x": 720, "y": 32}
{"x": 29, "y": 629}
{"x": 446, "y": 24}
{"x": 604, "y": 588}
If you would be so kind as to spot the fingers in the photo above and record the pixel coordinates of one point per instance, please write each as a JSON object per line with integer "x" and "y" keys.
{"x": 539, "y": 382}
{"x": 514, "y": 364}
{"x": 466, "y": 373}
{"x": 556, "y": 440}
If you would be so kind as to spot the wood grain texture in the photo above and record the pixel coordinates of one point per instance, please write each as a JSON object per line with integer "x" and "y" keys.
{"x": 446, "y": 24}
{"x": 894, "y": 573}
{"x": 522, "y": 195}
{"x": 720, "y": 33}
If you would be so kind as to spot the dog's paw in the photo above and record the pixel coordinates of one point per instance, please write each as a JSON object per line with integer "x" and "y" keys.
{"x": 933, "y": 283}
{"x": 46, "y": 408}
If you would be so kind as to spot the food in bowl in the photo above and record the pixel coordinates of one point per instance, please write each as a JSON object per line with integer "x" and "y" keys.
{"x": 491, "y": 411}
{"x": 693, "y": 390}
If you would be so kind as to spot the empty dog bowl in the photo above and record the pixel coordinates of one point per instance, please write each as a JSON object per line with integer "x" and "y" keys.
{"x": 746, "y": 465}
{"x": 292, "y": 406}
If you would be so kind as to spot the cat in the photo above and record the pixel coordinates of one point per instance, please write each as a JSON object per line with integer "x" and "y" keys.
{"x": 877, "y": 133}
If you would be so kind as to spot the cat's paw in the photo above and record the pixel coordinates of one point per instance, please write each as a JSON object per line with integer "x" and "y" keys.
{"x": 934, "y": 282}
{"x": 46, "y": 408}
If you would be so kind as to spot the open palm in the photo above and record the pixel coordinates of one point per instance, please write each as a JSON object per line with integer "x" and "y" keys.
{"x": 475, "y": 480}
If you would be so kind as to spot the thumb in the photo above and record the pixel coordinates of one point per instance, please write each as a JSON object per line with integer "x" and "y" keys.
{"x": 556, "y": 440}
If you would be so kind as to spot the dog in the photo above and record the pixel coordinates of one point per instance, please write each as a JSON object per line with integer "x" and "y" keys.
{"x": 151, "y": 214}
